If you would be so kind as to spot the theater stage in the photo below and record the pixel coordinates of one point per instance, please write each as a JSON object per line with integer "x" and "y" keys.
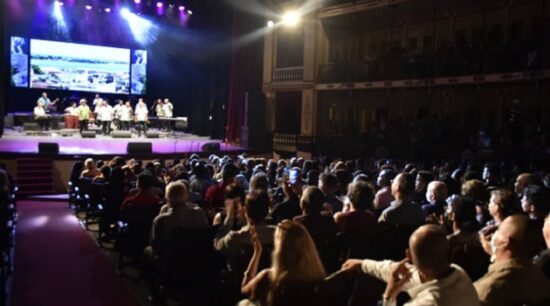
{"x": 16, "y": 142}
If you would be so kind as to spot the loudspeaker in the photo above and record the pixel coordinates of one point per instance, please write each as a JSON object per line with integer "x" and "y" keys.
{"x": 139, "y": 148}
{"x": 121, "y": 134}
{"x": 31, "y": 126}
{"x": 211, "y": 147}
{"x": 48, "y": 148}
{"x": 151, "y": 134}
{"x": 88, "y": 134}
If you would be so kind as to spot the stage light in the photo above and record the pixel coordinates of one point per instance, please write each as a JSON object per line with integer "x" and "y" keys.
{"x": 143, "y": 30}
{"x": 270, "y": 24}
{"x": 137, "y": 1}
{"x": 291, "y": 18}
{"x": 125, "y": 12}
{"x": 181, "y": 8}
{"x": 160, "y": 4}
{"x": 88, "y": 7}
{"x": 59, "y": 3}
{"x": 107, "y": 10}
{"x": 189, "y": 12}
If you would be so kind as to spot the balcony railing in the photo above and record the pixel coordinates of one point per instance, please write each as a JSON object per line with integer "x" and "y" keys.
{"x": 285, "y": 142}
{"x": 290, "y": 74}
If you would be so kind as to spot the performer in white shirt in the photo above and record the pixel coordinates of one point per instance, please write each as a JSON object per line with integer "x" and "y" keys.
{"x": 168, "y": 113}
{"x": 71, "y": 116}
{"x": 126, "y": 114}
{"x": 106, "y": 113}
{"x": 41, "y": 116}
{"x": 160, "y": 113}
{"x": 141, "y": 116}
{"x": 97, "y": 100}
{"x": 117, "y": 112}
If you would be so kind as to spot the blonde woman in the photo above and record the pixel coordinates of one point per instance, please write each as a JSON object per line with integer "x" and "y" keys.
{"x": 295, "y": 262}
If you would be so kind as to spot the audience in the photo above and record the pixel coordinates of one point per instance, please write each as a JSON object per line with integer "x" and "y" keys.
{"x": 321, "y": 227}
{"x": 328, "y": 184}
{"x": 383, "y": 197}
{"x": 359, "y": 219}
{"x": 436, "y": 195}
{"x": 90, "y": 170}
{"x": 402, "y": 211}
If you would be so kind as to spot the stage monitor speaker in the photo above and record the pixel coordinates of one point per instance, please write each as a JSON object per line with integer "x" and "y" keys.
{"x": 88, "y": 134}
{"x": 121, "y": 134}
{"x": 211, "y": 147}
{"x": 139, "y": 148}
{"x": 152, "y": 134}
{"x": 31, "y": 126}
{"x": 50, "y": 148}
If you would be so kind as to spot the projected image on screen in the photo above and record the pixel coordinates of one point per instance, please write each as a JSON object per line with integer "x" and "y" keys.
{"x": 67, "y": 66}
{"x": 19, "y": 55}
{"x": 139, "y": 72}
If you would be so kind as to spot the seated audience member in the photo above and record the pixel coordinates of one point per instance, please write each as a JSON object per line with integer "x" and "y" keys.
{"x": 403, "y": 211}
{"x": 259, "y": 181}
{"x": 290, "y": 206}
{"x": 182, "y": 214}
{"x": 233, "y": 216}
{"x": 143, "y": 198}
{"x": 328, "y": 184}
{"x": 383, "y": 197}
{"x": 543, "y": 260}
{"x": 522, "y": 181}
{"x": 536, "y": 203}
{"x": 512, "y": 278}
{"x": 476, "y": 190}
{"x": 426, "y": 274}
{"x": 423, "y": 178}
{"x": 501, "y": 205}
{"x": 491, "y": 177}
{"x": 215, "y": 195}
{"x": 436, "y": 195}
{"x": 320, "y": 227}
{"x": 234, "y": 242}
{"x": 90, "y": 170}
{"x": 360, "y": 219}
{"x": 295, "y": 264}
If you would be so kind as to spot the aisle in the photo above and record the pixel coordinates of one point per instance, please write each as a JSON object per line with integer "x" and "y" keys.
{"x": 57, "y": 262}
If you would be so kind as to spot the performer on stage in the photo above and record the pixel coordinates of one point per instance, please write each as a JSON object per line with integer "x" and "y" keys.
{"x": 125, "y": 116}
{"x": 95, "y": 117}
{"x": 97, "y": 100}
{"x": 168, "y": 113}
{"x": 160, "y": 113}
{"x": 106, "y": 113}
{"x": 71, "y": 116}
{"x": 47, "y": 103}
{"x": 83, "y": 115}
{"x": 141, "y": 117}
{"x": 41, "y": 116}
{"x": 117, "y": 113}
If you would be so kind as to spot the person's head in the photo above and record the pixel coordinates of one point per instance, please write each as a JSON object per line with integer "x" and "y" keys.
{"x": 295, "y": 257}
{"x": 515, "y": 237}
{"x": 522, "y": 181}
{"x": 259, "y": 181}
{"x": 437, "y": 191}
{"x": 144, "y": 181}
{"x": 73, "y": 104}
{"x": 535, "y": 201}
{"x": 235, "y": 192}
{"x": 312, "y": 201}
{"x": 462, "y": 214}
{"x": 428, "y": 251}
{"x": 44, "y": 94}
{"x": 490, "y": 174}
{"x": 360, "y": 195}
{"x": 328, "y": 183}
{"x": 82, "y": 101}
{"x": 501, "y": 204}
{"x": 97, "y": 96}
{"x": 166, "y": 100}
{"x": 546, "y": 231}
{"x": 176, "y": 193}
{"x": 256, "y": 206}
{"x": 127, "y": 104}
{"x": 403, "y": 186}
{"x": 229, "y": 172}
{"x": 89, "y": 164}
{"x": 475, "y": 189}
{"x": 423, "y": 178}
{"x": 384, "y": 178}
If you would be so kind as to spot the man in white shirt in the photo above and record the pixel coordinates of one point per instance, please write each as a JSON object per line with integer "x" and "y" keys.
{"x": 141, "y": 117}
{"x": 168, "y": 109}
{"x": 429, "y": 280}
{"x": 117, "y": 110}
{"x": 97, "y": 100}
{"x": 106, "y": 114}
{"x": 125, "y": 116}
{"x": 41, "y": 116}
{"x": 71, "y": 116}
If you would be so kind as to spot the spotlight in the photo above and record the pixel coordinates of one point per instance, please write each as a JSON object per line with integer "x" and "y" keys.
{"x": 59, "y": 3}
{"x": 291, "y": 18}
{"x": 171, "y": 6}
{"x": 107, "y": 10}
{"x": 270, "y": 24}
{"x": 88, "y": 7}
{"x": 137, "y": 1}
{"x": 181, "y": 8}
{"x": 160, "y": 4}
{"x": 125, "y": 12}
{"x": 189, "y": 12}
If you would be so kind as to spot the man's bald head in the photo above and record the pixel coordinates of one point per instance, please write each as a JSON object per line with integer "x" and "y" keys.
{"x": 516, "y": 238}
{"x": 429, "y": 249}
{"x": 437, "y": 191}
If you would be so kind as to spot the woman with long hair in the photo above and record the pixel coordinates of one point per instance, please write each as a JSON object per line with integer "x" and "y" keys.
{"x": 295, "y": 263}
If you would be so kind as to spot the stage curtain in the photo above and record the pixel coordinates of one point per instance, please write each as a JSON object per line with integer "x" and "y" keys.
{"x": 242, "y": 65}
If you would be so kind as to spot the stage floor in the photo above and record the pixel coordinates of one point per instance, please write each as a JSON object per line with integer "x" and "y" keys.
{"x": 17, "y": 142}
